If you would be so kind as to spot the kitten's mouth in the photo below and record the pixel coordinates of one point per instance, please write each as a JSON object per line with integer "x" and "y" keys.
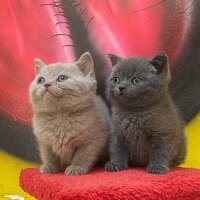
{"x": 121, "y": 93}
{"x": 53, "y": 92}
{"x": 47, "y": 92}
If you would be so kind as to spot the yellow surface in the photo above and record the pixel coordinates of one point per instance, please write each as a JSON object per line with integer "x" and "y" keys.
{"x": 193, "y": 147}
{"x": 11, "y": 166}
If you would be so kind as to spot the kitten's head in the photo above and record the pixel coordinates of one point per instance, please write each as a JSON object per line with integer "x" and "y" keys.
{"x": 138, "y": 81}
{"x": 59, "y": 85}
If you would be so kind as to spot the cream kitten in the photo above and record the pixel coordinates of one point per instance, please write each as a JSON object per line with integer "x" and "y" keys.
{"x": 70, "y": 122}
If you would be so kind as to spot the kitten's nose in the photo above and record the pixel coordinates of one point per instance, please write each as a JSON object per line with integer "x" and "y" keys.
{"x": 121, "y": 88}
{"x": 46, "y": 85}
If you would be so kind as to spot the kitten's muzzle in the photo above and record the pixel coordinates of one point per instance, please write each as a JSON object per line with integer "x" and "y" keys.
{"x": 46, "y": 85}
{"x": 121, "y": 88}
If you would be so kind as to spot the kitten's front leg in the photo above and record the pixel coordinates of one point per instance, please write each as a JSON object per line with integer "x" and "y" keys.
{"x": 84, "y": 158}
{"x": 159, "y": 159}
{"x": 119, "y": 156}
{"x": 51, "y": 162}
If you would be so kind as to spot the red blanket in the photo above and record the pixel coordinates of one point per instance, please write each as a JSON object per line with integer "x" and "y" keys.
{"x": 132, "y": 184}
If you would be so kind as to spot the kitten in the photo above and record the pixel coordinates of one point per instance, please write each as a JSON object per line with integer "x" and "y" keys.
{"x": 70, "y": 122}
{"x": 147, "y": 130}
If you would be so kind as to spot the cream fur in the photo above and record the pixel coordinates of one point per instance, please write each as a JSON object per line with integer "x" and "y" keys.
{"x": 70, "y": 122}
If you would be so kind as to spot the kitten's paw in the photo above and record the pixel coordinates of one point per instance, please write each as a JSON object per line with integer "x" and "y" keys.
{"x": 74, "y": 170}
{"x": 49, "y": 169}
{"x": 113, "y": 167}
{"x": 157, "y": 169}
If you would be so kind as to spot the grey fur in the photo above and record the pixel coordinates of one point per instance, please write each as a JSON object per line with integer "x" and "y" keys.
{"x": 147, "y": 129}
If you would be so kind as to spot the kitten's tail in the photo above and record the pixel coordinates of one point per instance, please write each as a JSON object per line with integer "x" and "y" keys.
{"x": 73, "y": 11}
{"x": 185, "y": 84}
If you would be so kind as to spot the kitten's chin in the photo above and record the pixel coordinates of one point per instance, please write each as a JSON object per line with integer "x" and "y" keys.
{"x": 50, "y": 94}
{"x": 124, "y": 96}
{"x": 124, "y": 99}
{"x": 48, "y": 98}
{"x": 51, "y": 91}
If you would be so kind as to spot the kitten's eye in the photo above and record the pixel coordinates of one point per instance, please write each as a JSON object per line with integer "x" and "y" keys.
{"x": 115, "y": 80}
{"x": 40, "y": 80}
{"x": 62, "y": 78}
{"x": 136, "y": 80}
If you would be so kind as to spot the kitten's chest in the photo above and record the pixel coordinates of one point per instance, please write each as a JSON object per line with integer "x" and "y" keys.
{"x": 59, "y": 131}
{"x": 134, "y": 131}
{"x": 134, "y": 124}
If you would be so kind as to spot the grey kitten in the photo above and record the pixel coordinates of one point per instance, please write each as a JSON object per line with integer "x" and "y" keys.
{"x": 147, "y": 129}
{"x": 70, "y": 122}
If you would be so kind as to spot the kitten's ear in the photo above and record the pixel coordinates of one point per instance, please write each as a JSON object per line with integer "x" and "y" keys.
{"x": 86, "y": 65}
{"x": 160, "y": 62}
{"x": 38, "y": 65}
{"x": 114, "y": 59}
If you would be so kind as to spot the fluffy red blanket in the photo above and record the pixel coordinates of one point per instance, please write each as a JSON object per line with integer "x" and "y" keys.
{"x": 132, "y": 184}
